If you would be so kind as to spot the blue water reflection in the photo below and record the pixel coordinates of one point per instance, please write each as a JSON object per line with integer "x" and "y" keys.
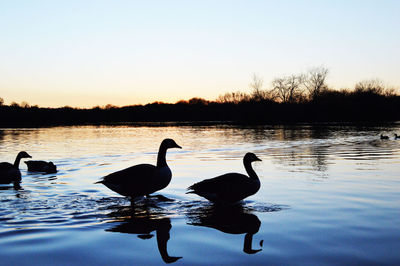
{"x": 329, "y": 195}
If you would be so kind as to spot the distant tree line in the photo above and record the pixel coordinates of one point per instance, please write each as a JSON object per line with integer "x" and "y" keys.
{"x": 294, "y": 98}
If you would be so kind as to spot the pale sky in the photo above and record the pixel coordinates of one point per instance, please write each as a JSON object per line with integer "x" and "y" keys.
{"x": 86, "y": 53}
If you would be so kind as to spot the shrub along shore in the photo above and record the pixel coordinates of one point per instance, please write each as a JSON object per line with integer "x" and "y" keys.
{"x": 296, "y": 98}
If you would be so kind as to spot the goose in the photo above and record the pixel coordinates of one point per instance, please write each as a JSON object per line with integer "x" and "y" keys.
{"x": 41, "y": 166}
{"x": 396, "y": 137}
{"x": 231, "y": 187}
{"x": 10, "y": 172}
{"x": 143, "y": 226}
{"x": 142, "y": 179}
{"x": 384, "y": 137}
{"x": 229, "y": 219}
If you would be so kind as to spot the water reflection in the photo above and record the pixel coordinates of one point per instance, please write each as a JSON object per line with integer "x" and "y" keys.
{"x": 11, "y": 186}
{"x": 55, "y": 210}
{"x": 142, "y": 222}
{"x": 228, "y": 219}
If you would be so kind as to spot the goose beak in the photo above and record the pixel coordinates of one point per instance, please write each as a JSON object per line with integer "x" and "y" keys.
{"x": 258, "y": 159}
{"x": 177, "y": 146}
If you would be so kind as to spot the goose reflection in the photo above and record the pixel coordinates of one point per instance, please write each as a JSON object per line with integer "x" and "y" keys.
{"x": 12, "y": 186}
{"x": 228, "y": 219}
{"x": 143, "y": 224}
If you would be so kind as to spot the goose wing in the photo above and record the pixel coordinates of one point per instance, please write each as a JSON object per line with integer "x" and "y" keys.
{"x": 36, "y": 163}
{"x": 4, "y": 167}
{"x": 9, "y": 173}
{"x": 136, "y": 180}
{"x": 227, "y": 187}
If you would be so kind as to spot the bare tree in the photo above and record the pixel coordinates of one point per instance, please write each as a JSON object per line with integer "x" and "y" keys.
{"x": 199, "y": 101}
{"x": 233, "y": 97}
{"x": 107, "y": 106}
{"x": 1, "y": 101}
{"x": 374, "y": 86}
{"x": 390, "y": 92}
{"x": 14, "y": 104}
{"x": 315, "y": 81}
{"x": 256, "y": 84}
{"x": 24, "y": 104}
{"x": 288, "y": 89}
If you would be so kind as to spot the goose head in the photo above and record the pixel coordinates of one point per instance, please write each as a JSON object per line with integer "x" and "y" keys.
{"x": 251, "y": 157}
{"x": 169, "y": 143}
{"x": 23, "y": 154}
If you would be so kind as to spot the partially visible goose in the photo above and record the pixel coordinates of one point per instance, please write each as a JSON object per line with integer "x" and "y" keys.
{"x": 41, "y": 166}
{"x": 231, "y": 187}
{"x": 10, "y": 172}
{"x": 396, "y": 137}
{"x": 384, "y": 137}
{"x": 142, "y": 179}
{"x": 229, "y": 219}
{"x": 143, "y": 226}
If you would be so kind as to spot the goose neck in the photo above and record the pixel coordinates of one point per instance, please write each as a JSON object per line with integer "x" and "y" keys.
{"x": 162, "y": 239}
{"x": 161, "y": 161}
{"x": 17, "y": 161}
{"x": 249, "y": 169}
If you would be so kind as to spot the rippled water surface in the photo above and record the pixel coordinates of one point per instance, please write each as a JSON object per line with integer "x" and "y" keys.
{"x": 329, "y": 195}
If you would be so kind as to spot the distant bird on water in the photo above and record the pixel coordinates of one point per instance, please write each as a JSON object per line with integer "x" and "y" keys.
{"x": 41, "y": 166}
{"x": 231, "y": 187}
{"x": 396, "y": 137}
{"x": 384, "y": 137}
{"x": 10, "y": 172}
{"x": 142, "y": 179}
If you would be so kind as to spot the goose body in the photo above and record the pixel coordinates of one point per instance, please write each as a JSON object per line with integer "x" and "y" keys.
{"x": 10, "y": 172}
{"x": 41, "y": 166}
{"x": 384, "y": 137}
{"x": 142, "y": 179}
{"x": 143, "y": 227}
{"x": 229, "y": 219}
{"x": 230, "y": 187}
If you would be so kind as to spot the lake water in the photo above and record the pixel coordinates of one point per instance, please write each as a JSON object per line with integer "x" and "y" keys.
{"x": 330, "y": 194}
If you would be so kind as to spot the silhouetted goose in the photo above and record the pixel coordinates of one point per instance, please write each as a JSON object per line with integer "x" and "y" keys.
{"x": 384, "y": 137}
{"x": 41, "y": 166}
{"x": 142, "y": 179}
{"x": 231, "y": 187}
{"x": 10, "y": 172}
{"x": 143, "y": 226}
{"x": 228, "y": 219}
{"x": 396, "y": 137}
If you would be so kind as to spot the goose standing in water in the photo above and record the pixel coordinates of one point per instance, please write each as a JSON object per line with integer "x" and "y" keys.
{"x": 41, "y": 166}
{"x": 10, "y": 172}
{"x": 231, "y": 187}
{"x": 396, "y": 137}
{"x": 142, "y": 179}
{"x": 143, "y": 226}
{"x": 228, "y": 219}
{"x": 384, "y": 137}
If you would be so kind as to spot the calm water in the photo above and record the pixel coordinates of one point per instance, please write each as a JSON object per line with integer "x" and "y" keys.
{"x": 329, "y": 195}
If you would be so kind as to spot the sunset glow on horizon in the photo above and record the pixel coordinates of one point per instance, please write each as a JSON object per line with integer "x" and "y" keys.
{"x": 90, "y": 53}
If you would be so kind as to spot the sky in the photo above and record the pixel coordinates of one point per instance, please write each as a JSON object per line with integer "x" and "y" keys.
{"x": 85, "y": 53}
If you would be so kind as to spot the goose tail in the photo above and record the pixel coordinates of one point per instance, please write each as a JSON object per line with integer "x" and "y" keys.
{"x": 191, "y": 189}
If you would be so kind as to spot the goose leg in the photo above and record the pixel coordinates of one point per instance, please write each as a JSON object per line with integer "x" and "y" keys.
{"x": 159, "y": 197}
{"x": 248, "y": 239}
{"x": 132, "y": 203}
{"x": 16, "y": 185}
